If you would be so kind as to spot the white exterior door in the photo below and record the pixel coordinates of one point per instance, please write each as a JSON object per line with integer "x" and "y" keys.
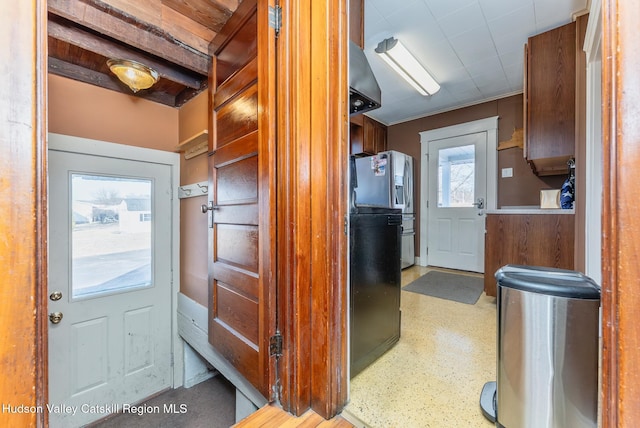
{"x": 110, "y": 279}
{"x": 457, "y": 198}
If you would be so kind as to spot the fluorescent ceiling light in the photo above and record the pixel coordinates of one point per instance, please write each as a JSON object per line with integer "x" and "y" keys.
{"x": 406, "y": 65}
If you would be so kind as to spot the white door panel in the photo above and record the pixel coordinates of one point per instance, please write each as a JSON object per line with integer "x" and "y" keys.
{"x": 457, "y": 181}
{"x": 110, "y": 258}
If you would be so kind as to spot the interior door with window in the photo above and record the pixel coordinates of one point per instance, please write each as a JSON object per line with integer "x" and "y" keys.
{"x": 241, "y": 210}
{"x": 110, "y": 276}
{"x": 457, "y": 197}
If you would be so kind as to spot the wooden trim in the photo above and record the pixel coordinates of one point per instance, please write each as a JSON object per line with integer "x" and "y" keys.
{"x": 621, "y": 226}
{"x": 609, "y": 290}
{"x": 267, "y": 170}
{"x": 23, "y": 224}
{"x": 293, "y": 209}
{"x": 329, "y": 143}
{"x": 42, "y": 269}
{"x": 312, "y": 165}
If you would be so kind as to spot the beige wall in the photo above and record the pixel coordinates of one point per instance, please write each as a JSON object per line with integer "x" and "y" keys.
{"x": 193, "y": 119}
{"x": 87, "y": 111}
{"x": 522, "y": 189}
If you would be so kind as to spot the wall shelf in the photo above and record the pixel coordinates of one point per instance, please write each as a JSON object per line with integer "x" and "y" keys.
{"x": 194, "y": 145}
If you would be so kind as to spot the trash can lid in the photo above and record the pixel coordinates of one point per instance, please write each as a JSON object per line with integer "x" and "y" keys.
{"x": 544, "y": 280}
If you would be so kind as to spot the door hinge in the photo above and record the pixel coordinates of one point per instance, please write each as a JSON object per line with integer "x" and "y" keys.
{"x": 275, "y": 345}
{"x": 346, "y": 225}
{"x": 275, "y": 18}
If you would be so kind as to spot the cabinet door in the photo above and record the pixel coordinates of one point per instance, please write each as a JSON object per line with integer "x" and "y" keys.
{"x": 374, "y": 136}
{"x": 527, "y": 239}
{"x": 369, "y": 136}
{"x": 551, "y": 96}
{"x": 380, "y": 138}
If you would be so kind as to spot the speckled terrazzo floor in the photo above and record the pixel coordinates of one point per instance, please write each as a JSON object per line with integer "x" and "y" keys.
{"x": 434, "y": 375}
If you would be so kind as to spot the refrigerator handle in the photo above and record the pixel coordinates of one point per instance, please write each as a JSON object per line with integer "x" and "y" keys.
{"x": 353, "y": 182}
{"x": 408, "y": 190}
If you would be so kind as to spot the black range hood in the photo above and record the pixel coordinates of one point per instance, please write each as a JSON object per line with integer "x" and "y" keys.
{"x": 364, "y": 92}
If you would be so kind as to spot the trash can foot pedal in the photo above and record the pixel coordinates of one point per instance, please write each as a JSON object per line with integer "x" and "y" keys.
{"x": 488, "y": 401}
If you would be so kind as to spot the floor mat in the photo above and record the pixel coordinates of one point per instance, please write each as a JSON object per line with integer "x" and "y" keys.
{"x": 450, "y": 286}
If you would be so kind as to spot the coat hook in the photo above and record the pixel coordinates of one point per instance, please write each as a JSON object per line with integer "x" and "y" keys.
{"x": 203, "y": 187}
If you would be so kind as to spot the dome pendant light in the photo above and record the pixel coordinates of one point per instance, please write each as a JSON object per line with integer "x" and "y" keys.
{"x": 133, "y": 74}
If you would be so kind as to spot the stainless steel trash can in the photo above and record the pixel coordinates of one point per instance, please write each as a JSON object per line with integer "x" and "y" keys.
{"x": 547, "y": 368}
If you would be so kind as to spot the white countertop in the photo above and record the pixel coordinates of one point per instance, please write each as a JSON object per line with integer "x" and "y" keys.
{"x": 530, "y": 211}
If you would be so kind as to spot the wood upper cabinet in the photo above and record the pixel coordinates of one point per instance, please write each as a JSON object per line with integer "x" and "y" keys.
{"x": 368, "y": 138}
{"x": 356, "y": 22}
{"x": 550, "y": 98}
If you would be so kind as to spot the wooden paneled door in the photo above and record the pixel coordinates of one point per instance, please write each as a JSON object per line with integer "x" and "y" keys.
{"x": 242, "y": 197}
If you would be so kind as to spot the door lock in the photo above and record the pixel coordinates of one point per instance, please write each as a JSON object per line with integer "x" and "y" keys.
{"x": 55, "y": 296}
{"x": 55, "y": 317}
{"x": 479, "y": 204}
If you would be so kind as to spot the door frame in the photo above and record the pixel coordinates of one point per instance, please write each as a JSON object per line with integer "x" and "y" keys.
{"x": 23, "y": 133}
{"x": 594, "y": 155}
{"x": 488, "y": 125}
{"x": 620, "y": 232}
{"x": 86, "y": 146}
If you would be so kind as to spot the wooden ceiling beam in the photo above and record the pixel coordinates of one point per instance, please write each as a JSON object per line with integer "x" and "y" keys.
{"x": 186, "y": 95}
{"x": 107, "y": 20}
{"x": 76, "y": 72}
{"x": 61, "y": 29}
{"x": 212, "y": 14}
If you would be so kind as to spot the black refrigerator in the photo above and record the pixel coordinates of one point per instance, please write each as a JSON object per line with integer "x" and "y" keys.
{"x": 375, "y": 242}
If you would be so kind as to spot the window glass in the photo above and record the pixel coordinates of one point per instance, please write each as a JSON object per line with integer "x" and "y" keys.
{"x": 111, "y": 223}
{"x": 456, "y": 176}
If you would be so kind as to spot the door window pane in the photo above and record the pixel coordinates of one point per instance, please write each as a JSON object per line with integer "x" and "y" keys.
{"x": 456, "y": 176}
{"x": 111, "y": 220}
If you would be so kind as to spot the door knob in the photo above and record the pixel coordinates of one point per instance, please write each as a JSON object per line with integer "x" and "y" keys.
{"x": 55, "y": 317}
{"x": 208, "y": 207}
{"x": 55, "y": 296}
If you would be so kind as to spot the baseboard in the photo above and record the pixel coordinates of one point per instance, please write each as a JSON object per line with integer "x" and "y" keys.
{"x": 192, "y": 323}
{"x": 196, "y": 368}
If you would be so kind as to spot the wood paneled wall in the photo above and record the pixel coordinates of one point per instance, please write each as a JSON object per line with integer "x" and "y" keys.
{"x": 620, "y": 223}
{"x": 23, "y": 223}
{"x": 312, "y": 201}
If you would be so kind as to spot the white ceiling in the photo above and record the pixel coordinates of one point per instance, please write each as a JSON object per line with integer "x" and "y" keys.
{"x": 473, "y": 48}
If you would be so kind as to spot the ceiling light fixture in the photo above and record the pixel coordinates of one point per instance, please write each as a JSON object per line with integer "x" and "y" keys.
{"x": 406, "y": 65}
{"x": 133, "y": 74}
